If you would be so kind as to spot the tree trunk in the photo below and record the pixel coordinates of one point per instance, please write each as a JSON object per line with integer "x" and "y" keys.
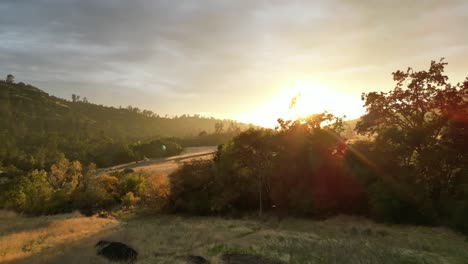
{"x": 260, "y": 188}
{"x": 260, "y": 206}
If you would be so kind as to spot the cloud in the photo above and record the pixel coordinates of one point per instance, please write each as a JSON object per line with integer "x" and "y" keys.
{"x": 208, "y": 56}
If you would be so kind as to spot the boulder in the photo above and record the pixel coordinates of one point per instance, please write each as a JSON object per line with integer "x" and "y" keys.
{"x": 238, "y": 258}
{"x": 116, "y": 251}
{"x": 196, "y": 260}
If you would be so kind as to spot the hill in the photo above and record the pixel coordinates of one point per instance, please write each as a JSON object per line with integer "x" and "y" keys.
{"x": 36, "y": 128}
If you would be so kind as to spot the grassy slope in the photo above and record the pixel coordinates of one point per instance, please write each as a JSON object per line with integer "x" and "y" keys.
{"x": 160, "y": 239}
{"x": 35, "y": 109}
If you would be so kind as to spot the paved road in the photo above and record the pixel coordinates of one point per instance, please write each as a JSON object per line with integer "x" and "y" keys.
{"x": 169, "y": 164}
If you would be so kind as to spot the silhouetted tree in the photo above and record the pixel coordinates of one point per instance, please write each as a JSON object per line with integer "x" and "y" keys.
{"x": 219, "y": 126}
{"x": 10, "y": 78}
{"x": 412, "y": 119}
{"x": 254, "y": 149}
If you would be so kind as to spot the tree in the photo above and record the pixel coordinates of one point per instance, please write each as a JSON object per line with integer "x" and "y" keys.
{"x": 308, "y": 178}
{"x": 156, "y": 192}
{"x": 415, "y": 119}
{"x": 219, "y": 127}
{"x": 10, "y": 78}
{"x": 128, "y": 200}
{"x": 31, "y": 194}
{"x": 65, "y": 175}
{"x": 421, "y": 110}
{"x": 254, "y": 150}
{"x": 193, "y": 188}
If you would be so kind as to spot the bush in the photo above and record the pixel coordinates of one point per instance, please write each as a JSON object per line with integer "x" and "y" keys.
{"x": 134, "y": 183}
{"x": 158, "y": 148}
{"x": 156, "y": 194}
{"x": 392, "y": 204}
{"x": 128, "y": 200}
{"x": 458, "y": 216}
{"x": 192, "y": 188}
{"x": 31, "y": 193}
{"x": 60, "y": 202}
{"x": 100, "y": 193}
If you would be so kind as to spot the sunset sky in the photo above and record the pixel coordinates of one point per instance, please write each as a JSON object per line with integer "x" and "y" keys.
{"x": 230, "y": 59}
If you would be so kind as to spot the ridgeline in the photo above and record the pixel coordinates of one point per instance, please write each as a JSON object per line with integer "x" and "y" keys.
{"x": 36, "y": 129}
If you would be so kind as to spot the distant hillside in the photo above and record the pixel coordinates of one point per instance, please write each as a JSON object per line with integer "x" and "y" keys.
{"x": 35, "y": 127}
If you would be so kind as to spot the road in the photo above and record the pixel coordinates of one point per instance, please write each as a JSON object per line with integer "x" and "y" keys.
{"x": 168, "y": 164}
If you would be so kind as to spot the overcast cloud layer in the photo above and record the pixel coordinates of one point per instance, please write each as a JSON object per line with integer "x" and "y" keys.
{"x": 223, "y": 58}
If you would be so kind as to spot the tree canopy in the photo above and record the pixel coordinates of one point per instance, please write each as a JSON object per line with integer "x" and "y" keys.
{"x": 412, "y": 166}
{"x": 36, "y": 128}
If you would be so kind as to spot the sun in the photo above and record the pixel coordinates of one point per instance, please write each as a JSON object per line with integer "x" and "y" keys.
{"x": 309, "y": 99}
{"x": 301, "y": 99}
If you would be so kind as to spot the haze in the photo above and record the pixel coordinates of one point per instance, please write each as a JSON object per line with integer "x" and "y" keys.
{"x": 227, "y": 59}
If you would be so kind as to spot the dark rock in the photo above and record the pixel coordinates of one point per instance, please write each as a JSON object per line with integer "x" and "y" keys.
{"x": 116, "y": 251}
{"x": 237, "y": 258}
{"x": 196, "y": 260}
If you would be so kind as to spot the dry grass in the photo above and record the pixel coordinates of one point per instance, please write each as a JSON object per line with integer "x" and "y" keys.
{"x": 22, "y": 237}
{"x": 163, "y": 239}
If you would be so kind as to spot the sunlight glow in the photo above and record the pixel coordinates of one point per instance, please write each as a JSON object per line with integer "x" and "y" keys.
{"x": 309, "y": 99}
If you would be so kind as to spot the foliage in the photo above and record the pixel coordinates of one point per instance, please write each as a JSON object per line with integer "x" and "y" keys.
{"x": 262, "y": 168}
{"x": 411, "y": 165}
{"x": 101, "y": 193}
{"x": 158, "y": 148}
{"x": 37, "y": 129}
{"x": 206, "y": 139}
{"x": 65, "y": 175}
{"x": 416, "y": 126}
{"x": 310, "y": 178}
{"x": 10, "y": 78}
{"x": 411, "y": 168}
{"x": 134, "y": 183}
{"x": 192, "y": 188}
{"x": 156, "y": 193}
{"x": 31, "y": 194}
{"x": 230, "y": 184}
{"x": 70, "y": 186}
{"x": 128, "y": 200}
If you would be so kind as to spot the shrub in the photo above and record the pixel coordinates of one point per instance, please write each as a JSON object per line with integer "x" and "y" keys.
{"x": 31, "y": 194}
{"x": 192, "y": 188}
{"x": 101, "y": 193}
{"x": 458, "y": 218}
{"x": 156, "y": 194}
{"x": 396, "y": 204}
{"x": 134, "y": 183}
{"x": 60, "y": 202}
{"x": 128, "y": 200}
